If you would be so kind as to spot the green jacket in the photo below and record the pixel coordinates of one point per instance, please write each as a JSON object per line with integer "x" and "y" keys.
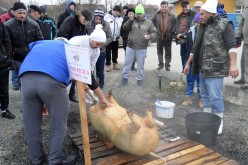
{"x": 137, "y": 30}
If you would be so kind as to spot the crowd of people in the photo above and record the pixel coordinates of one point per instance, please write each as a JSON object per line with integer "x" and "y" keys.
{"x": 29, "y": 38}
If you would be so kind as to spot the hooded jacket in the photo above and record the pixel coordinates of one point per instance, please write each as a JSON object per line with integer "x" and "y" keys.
{"x": 47, "y": 27}
{"x": 67, "y": 12}
{"x": 21, "y": 35}
{"x": 115, "y": 24}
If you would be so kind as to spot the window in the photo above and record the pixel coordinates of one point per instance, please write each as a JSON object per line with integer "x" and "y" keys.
{"x": 239, "y": 9}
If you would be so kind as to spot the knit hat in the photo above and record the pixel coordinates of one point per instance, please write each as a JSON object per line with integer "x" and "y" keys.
{"x": 98, "y": 34}
{"x": 139, "y": 9}
{"x": 35, "y": 8}
{"x": 86, "y": 14}
{"x": 210, "y": 6}
{"x": 19, "y": 6}
{"x": 197, "y": 18}
{"x": 99, "y": 12}
{"x": 117, "y": 8}
{"x": 198, "y": 4}
{"x": 43, "y": 10}
{"x": 130, "y": 10}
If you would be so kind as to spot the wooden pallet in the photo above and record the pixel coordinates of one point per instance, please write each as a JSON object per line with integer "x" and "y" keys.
{"x": 182, "y": 151}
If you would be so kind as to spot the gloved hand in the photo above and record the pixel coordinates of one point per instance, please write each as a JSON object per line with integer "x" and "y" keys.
{"x": 238, "y": 41}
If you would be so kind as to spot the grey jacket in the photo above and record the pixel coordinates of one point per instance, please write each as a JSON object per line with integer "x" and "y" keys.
{"x": 106, "y": 28}
{"x": 242, "y": 30}
{"x": 137, "y": 30}
{"x": 171, "y": 27}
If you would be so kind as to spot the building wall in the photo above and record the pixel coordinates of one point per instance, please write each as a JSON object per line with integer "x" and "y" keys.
{"x": 229, "y": 5}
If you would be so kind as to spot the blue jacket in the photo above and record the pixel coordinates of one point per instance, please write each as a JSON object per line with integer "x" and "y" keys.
{"x": 48, "y": 57}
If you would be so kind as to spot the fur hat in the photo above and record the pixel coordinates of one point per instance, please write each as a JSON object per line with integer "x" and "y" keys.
{"x": 99, "y": 12}
{"x": 98, "y": 34}
{"x": 210, "y": 6}
{"x": 19, "y": 6}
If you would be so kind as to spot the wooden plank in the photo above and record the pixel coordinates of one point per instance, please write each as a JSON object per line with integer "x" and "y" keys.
{"x": 205, "y": 159}
{"x": 218, "y": 161}
{"x": 79, "y": 142}
{"x": 105, "y": 153}
{"x": 230, "y": 162}
{"x": 167, "y": 145}
{"x": 187, "y": 155}
{"x": 92, "y": 145}
{"x": 84, "y": 123}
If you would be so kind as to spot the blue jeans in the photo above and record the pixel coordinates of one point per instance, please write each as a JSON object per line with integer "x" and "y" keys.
{"x": 191, "y": 83}
{"x": 100, "y": 68}
{"x": 211, "y": 93}
{"x": 15, "y": 79}
{"x": 184, "y": 55}
{"x": 140, "y": 55}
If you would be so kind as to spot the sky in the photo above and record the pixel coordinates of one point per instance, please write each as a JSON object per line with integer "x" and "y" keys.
{"x": 44, "y": 2}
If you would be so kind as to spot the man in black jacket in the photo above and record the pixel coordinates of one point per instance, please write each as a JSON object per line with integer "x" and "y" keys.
{"x": 5, "y": 57}
{"x": 22, "y": 32}
{"x": 74, "y": 26}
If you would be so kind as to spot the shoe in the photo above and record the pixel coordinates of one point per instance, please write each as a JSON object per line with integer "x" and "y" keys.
{"x": 116, "y": 66}
{"x": 140, "y": 83}
{"x": 69, "y": 160}
{"x": 167, "y": 68}
{"x": 15, "y": 87}
{"x": 244, "y": 87}
{"x": 221, "y": 123}
{"x": 43, "y": 160}
{"x": 200, "y": 103}
{"x": 239, "y": 82}
{"x": 108, "y": 68}
{"x": 186, "y": 101}
{"x": 73, "y": 98}
{"x": 160, "y": 67}
{"x": 124, "y": 81}
{"x": 7, "y": 114}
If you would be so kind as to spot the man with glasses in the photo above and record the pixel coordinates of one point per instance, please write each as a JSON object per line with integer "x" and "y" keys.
{"x": 140, "y": 30}
{"x": 74, "y": 26}
{"x": 165, "y": 23}
{"x": 184, "y": 20}
{"x": 98, "y": 19}
{"x": 22, "y": 32}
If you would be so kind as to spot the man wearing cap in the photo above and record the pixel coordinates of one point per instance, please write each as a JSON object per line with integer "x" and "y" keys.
{"x": 141, "y": 30}
{"x": 34, "y": 12}
{"x": 242, "y": 35}
{"x": 22, "y": 32}
{"x": 115, "y": 20}
{"x": 184, "y": 20}
{"x": 214, "y": 57}
{"x": 74, "y": 26}
{"x": 98, "y": 19}
{"x": 69, "y": 11}
{"x": 165, "y": 23}
{"x": 197, "y": 6}
{"x": 47, "y": 25}
{"x": 46, "y": 84}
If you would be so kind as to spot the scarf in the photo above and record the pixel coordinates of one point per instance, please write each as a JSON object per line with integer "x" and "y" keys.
{"x": 164, "y": 23}
{"x": 197, "y": 48}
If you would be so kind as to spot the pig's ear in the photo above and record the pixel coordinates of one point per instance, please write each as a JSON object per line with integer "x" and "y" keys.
{"x": 110, "y": 93}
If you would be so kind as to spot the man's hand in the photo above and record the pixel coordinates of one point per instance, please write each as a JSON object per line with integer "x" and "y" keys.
{"x": 238, "y": 42}
{"x": 233, "y": 72}
{"x": 186, "y": 70}
{"x": 106, "y": 102}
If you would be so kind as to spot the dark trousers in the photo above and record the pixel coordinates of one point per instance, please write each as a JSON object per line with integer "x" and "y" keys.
{"x": 72, "y": 89}
{"x": 112, "y": 48}
{"x": 100, "y": 69}
{"x": 184, "y": 55}
{"x": 166, "y": 46}
{"x": 4, "y": 88}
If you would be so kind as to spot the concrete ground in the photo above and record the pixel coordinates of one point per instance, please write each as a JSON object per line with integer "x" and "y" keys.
{"x": 232, "y": 93}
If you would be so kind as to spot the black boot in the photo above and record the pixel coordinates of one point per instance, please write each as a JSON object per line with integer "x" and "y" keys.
{"x": 73, "y": 98}
{"x": 7, "y": 114}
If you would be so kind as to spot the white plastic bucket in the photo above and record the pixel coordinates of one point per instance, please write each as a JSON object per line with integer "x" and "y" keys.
{"x": 165, "y": 109}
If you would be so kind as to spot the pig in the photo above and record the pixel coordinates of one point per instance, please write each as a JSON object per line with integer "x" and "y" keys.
{"x": 126, "y": 130}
